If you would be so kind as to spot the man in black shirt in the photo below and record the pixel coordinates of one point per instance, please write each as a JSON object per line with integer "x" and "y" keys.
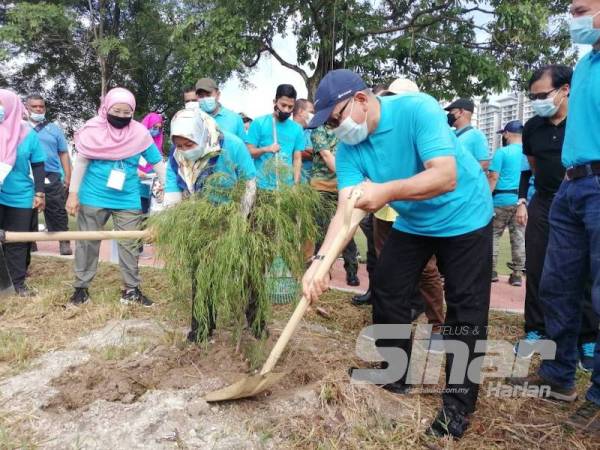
{"x": 543, "y": 138}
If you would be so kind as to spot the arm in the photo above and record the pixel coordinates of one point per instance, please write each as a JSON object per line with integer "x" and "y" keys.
{"x": 65, "y": 161}
{"x": 329, "y": 159}
{"x": 492, "y": 180}
{"x": 160, "y": 170}
{"x": 256, "y": 152}
{"x": 307, "y": 155}
{"x": 485, "y": 165}
{"x": 438, "y": 178}
{"x": 39, "y": 174}
{"x": 297, "y": 167}
{"x": 79, "y": 168}
{"x": 173, "y": 193}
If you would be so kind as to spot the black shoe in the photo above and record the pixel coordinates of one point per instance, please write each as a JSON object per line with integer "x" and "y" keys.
{"x": 450, "y": 421}
{"x": 545, "y": 388}
{"x": 364, "y": 299}
{"x": 24, "y": 291}
{"x": 79, "y": 297}
{"x": 495, "y": 277}
{"x": 65, "y": 248}
{"x": 586, "y": 419}
{"x": 352, "y": 279}
{"x": 33, "y": 247}
{"x": 396, "y": 387}
{"x": 515, "y": 280}
{"x": 133, "y": 296}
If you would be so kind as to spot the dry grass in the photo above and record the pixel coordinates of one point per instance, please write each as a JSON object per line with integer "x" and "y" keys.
{"x": 346, "y": 416}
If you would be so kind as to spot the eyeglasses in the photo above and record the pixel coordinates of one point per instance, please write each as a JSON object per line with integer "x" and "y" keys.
{"x": 333, "y": 122}
{"x": 541, "y": 95}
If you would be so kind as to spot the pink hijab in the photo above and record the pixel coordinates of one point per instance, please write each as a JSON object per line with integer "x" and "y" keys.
{"x": 97, "y": 139}
{"x": 149, "y": 121}
{"x": 12, "y": 128}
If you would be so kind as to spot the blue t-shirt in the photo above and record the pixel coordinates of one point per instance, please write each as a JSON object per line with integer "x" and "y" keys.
{"x": 234, "y": 163}
{"x": 94, "y": 191}
{"x": 18, "y": 188}
{"x": 475, "y": 142}
{"x": 582, "y": 138}
{"x": 53, "y": 142}
{"x": 307, "y": 165}
{"x": 290, "y": 137}
{"x": 230, "y": 121}
{"x": 508, "y": 163}
{"x": 413, "y": 129}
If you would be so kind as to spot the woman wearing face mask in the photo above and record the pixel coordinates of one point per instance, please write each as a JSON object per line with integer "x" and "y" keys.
{"x": 105, "y": 184}
{"x": 202, "y": 150}
{"x": 154, "y": 123}
{"x": 20, "y": 154}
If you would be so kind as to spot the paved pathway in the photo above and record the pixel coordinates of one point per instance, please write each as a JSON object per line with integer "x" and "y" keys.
{"x": 504, "y": 296}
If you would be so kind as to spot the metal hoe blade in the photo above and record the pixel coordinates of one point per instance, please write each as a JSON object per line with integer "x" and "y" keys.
{"x": 244, "y": 388}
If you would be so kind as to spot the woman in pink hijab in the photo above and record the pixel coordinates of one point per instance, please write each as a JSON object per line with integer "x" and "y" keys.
{"x": 105, "y": 184}
{"x": 154, "y": 123}
{"x": 20, "y": 154}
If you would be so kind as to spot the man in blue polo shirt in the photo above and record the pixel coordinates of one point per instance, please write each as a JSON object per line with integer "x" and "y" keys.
{"x": 400, "y": 150}
{"x": 208, "y": 98}
{"x": 504, "y": 176}
{"x": 460, "y": 115}
{"x": 57, "y": 166}
{"x": 276, "y": 143}
{"x": 573, "y": 251}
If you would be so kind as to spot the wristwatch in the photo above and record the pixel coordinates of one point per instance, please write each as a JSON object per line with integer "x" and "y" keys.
{"x": 522, "y": 201}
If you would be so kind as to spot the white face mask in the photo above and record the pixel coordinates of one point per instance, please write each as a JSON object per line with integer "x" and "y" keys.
{"x": 350, "y": 132}
{"x": 309, "y": 117}
{"x": 546, "y": 107}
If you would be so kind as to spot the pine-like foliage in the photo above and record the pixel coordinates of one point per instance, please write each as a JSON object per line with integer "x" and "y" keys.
{"x": 229, "y": 256}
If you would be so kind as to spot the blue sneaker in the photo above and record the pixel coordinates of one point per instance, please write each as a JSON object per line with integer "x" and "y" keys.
{"x": 524, "y": 348}
{"x": 586, "y": 356}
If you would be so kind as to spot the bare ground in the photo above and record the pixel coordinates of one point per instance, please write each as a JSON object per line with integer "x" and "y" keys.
{"x": 104, "y": 376}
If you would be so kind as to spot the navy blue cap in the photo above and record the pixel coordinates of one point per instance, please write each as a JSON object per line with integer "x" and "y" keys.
{"x": 514, "y": 126}
{"x": 336, "y": 86}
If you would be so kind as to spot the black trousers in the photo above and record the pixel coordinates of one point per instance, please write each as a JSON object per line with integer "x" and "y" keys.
{"x": 466, "y": 262}
{"x": 55, "y": 212}
{"x": 536, "y": 242}
{"x": 16, "y": 219}
{"x": 366, "y": 225}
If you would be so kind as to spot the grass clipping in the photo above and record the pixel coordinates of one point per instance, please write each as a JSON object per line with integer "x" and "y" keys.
{"x": 228, "y": 256}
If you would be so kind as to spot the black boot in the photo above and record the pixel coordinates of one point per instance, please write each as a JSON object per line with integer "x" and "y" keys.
{"x": 449, "y": 421}
{"x": 361, "y": 300}
{"x": 352, "y": 279}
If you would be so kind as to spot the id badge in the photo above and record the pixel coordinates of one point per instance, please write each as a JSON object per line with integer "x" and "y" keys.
{"x": 116, "y": 179}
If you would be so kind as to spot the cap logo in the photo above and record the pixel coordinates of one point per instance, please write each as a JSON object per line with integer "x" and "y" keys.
{"x": 344, "y": 93}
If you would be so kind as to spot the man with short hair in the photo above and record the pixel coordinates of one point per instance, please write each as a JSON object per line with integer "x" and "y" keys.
{"x": 573, "y": 253}
{"x": 504, "y": 176}
{"x": 190, "y": 98}
{"x": 208, "y": 99}
{"x": 54, "y": 143}
{"x": 246, "y": 120}
{"x": 400, "y": 150}
{"x": 460, "y": 115}
{"x": 276, "y": 142}
{"x": 303, "y": 112}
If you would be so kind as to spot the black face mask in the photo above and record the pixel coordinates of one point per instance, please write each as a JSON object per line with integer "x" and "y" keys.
{"x": 282, "y": 116}
{"x": 451, "y": 119}
{"x": 118, "y": 122}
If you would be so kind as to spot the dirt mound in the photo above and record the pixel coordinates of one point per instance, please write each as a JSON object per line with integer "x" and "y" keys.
{"x": 161, "y": 368}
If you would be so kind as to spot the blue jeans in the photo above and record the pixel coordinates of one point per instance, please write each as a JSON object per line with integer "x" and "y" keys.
{"x": 573, "y": 253}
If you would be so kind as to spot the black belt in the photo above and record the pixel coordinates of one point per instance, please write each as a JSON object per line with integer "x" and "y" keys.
{"x": 585, "y": 170}
{"x": 505, "y": 191}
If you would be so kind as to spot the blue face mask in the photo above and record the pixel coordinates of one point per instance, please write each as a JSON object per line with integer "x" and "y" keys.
{"x": 208, "y": 104}
{"x": 37, "y": 117}
{"x": 154, "y": 132}
{"x": 545, "y": 108}
{"x": 1, "y": 114}
{"x": 193, "y": 154}
{"x": 583, "y": 31}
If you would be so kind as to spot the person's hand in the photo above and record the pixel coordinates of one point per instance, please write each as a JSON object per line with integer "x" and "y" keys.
{"x": 521, "y": 214}
{"x": 313, "y": 287}
{"x": 39, "y": 202}
{"x": 72, "y": 204}
{"x": 274, "y": 148}
{"x": 67, "y": 183}
{"x": 373, "y": 196}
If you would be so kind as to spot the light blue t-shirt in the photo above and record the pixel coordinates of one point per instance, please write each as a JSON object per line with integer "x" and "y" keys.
{"x": 18, "y": 188}
{"x": 307, "y": 165}
{"x": 508, "y": 163}
{"x": 582, "y": 138}
{"x": 290, "y": 137}
{"x": 413, "y": 129}
{"x": 230, "y": 121}
{"x": 234, "y": 164}
{"x": 53, "y": 142}
{"x": 94, "y": 191}
{"x": 475, "y": 142}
